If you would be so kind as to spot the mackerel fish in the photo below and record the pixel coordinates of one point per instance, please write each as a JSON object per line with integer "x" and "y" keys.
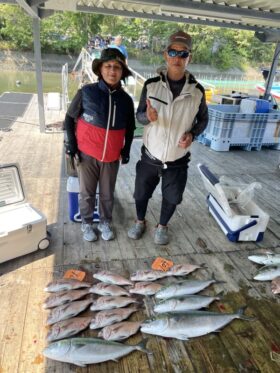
{"x": 186, "y": 303}
{"x": 111, "y": 278}
{"x": 83, "y": 351}
{"x": 121, "y": 330}
{"x": 66, "y": 311}
{"x": 265, "y": 259}
{"x": 64, "y": 284}
{"x": 191, "y": 324}
{"x": 62, "y": 297}
{"x": 267, "y": 273}
{"x": 108, "y": 289}
{"x": 108, "y": 317}
{"x": 186, "y": 287}
{"x": 68, "y": 328}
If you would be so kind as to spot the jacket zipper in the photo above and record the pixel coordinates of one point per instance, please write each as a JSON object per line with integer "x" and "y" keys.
{"x": 108, "y": 124}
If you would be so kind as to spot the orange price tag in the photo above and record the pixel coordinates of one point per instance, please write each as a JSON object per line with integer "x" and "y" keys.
{"x": 161, "y": 264}
{"x": 75, "y": 274}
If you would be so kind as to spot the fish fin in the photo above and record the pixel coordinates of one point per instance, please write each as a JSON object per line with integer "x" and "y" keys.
{"x": 241, "y": 315}
{"x": 142, "y": 346}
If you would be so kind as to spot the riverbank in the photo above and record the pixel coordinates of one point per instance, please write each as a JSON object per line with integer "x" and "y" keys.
{"x": 25, "y": 61}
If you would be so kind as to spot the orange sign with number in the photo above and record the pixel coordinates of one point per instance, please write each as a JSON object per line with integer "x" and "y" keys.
{"x": 161, "y": 264}
{"x": 75, "y": 274}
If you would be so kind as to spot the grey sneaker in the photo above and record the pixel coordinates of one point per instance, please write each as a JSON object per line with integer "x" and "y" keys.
{"x": 106, "y": 230}
{"x": 89, "y": 234}
{"x": 161, "y": 236}
{"x": 136, "y": 231}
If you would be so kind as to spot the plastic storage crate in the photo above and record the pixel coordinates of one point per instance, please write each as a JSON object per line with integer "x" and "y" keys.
{"x": 228, "y": 127}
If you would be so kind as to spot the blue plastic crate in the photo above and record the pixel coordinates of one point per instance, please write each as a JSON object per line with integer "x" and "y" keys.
{"x": 228, "y": 127}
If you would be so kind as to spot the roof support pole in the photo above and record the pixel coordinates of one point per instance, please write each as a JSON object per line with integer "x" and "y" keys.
{"x": 38, "y": 63}
{"x": 272, "y": 72}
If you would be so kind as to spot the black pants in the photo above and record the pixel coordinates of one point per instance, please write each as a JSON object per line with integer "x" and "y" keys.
{"x": 173, "y": 183}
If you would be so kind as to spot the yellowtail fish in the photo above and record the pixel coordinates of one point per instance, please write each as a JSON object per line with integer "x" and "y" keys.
{"x": 83, "y": 351}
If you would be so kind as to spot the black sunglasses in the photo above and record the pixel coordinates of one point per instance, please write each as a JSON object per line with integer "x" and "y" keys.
{"x": 181, "y": 54}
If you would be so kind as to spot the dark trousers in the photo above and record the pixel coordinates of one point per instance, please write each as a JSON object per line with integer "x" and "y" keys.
{"x": 92, "y": 173}
{"x": 173, "y": 178}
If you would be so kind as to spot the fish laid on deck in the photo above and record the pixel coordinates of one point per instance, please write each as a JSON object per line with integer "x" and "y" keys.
{"x": 108, "y": 317}
{"x": 64, "y": 284}
{"x": 190, "y": 324}
{"x": 62, "y": 297}
{"x": 67, "y": 311}
{"x": 120, "y": 331}
{"x": 188, "y": 302}
{"x": 147, "y": 275}
{"x": 183, "y": 269}
{"x": 265, "y": 259}
{"x": 108, "y": 302}
{"x": 108, "y": 289}
{"x": 68, "y": 328}
{"x": 145, "y": 288}
{"x": 83, "y": 351}
{"x": 267, "y": 273}
{"x": 112, "y": 278}
{"x": 187, "y": 287}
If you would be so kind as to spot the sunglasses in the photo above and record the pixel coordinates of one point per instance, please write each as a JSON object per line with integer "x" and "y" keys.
{"x": 181, "y": 54}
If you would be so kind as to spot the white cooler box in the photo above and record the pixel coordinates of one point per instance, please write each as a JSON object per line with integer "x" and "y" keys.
{"x": 23, "y": 229}
{"x": 239, "y": 223}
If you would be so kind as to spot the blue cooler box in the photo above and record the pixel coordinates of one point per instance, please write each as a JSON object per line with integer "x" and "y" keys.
{"x": 244, "y": 223}
{"x": 73, "y": 201}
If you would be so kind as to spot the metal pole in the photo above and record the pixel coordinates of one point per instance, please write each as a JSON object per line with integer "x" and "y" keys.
{"x": 38, "y": 63}
{"x": 272, "y": 72}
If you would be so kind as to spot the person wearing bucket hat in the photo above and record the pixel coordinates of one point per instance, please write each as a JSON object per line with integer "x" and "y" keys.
{"x": 173, "y": 110}
{"x": 100, "y": 124}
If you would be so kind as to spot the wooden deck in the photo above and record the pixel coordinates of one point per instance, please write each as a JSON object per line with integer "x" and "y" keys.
{"x": 195, "y": 237}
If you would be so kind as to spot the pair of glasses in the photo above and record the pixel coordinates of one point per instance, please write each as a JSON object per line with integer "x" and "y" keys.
{"x": 181, "y": 54}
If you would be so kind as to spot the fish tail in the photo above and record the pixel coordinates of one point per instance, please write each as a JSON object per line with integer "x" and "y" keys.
{"x": 241, "y": 315}
{"x": 220, "y": 295}
{"x": 142, "y": 346}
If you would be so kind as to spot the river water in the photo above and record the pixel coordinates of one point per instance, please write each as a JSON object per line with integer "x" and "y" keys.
{"x": 25, "y": 81}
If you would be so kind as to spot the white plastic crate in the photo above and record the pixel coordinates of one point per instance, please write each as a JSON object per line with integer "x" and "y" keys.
{"x": 228, "y": 127}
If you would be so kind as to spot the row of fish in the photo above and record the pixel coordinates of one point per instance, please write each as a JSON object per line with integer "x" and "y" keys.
{"x": 270, "y": 270}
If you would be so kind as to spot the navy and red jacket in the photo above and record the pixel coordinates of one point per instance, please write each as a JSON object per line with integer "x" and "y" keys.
{"x": 105, "y": 121}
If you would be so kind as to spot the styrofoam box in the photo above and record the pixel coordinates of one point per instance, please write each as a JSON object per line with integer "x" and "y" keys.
{"x": 23, "y": 228}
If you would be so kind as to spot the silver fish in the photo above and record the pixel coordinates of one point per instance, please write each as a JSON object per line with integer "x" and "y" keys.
{"x": 265, "y": 259}
{"x": 275, "y": 285}
{"x": 111, "y": 278}
{"x": 62, "y": 297}
{"x": 64, "y": 284}
{"x": 188, "y": 302}
{"x": 108, "y": 289}
{"x": 147, "y": 275}
{"x": 108, "y": 302}
{"x": 145, "y": 288}
{"x": 183, "y": 269}
{"x": 267, "y": 273}
{"x": 108, "y": 317}
{"x": 187, "y": 287}
{"x": 120, "y": 331}
{"x": 67, "y": 328}
{"x": 82, "y": 351}
{"x": 191, "y": 324}
{"x": 67, "y": 310}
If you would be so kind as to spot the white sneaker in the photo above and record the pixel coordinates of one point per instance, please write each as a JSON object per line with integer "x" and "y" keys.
{"x": 89, "y": 234}
{"x": 106, "y": 230}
